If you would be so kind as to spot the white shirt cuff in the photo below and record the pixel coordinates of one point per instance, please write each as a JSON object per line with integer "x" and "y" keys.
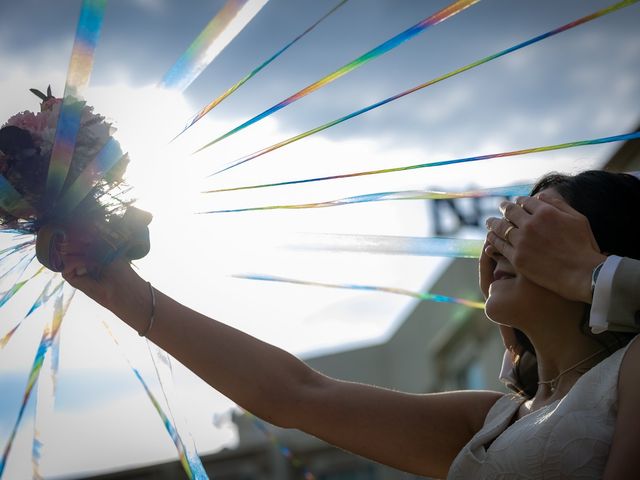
{"x": 602, "y": 295}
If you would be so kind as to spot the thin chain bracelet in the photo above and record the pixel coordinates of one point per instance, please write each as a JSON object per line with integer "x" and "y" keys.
{"x": 153, "y": 311}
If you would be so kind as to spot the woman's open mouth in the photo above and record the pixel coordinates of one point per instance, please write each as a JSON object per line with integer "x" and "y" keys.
{"x": 502, "y": 275}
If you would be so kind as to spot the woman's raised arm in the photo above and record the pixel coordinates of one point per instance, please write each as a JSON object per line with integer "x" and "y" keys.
{"x": 420, "y": 433}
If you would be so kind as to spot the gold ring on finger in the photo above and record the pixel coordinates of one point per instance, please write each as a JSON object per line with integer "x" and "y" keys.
{"x": 508, "y": 231}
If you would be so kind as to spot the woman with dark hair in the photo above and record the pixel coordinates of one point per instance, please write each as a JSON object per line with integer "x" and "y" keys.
{"x": 552, "y": 244}
{"x": 575, "y": 418}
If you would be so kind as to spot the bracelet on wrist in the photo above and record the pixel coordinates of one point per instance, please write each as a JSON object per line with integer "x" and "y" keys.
{"x": 153, "y": 312}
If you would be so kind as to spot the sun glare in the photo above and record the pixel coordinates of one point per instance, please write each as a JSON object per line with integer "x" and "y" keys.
{"x": 206, "y": 250}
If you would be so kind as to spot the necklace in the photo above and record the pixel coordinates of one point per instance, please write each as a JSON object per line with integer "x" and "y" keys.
{"x": 553, "y": 383}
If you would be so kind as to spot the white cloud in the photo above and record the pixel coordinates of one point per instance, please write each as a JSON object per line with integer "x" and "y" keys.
{"x": 152, "y": 6}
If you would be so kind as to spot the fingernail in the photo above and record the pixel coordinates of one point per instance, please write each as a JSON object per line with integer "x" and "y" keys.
{"x": 490, "y": 223}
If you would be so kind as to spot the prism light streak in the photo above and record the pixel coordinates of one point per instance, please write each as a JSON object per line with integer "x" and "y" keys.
{"x": 21, "y": 264}
{"x": 219, "y": 32}
{"x": 254, "y": 72}
{"x": 369, "y": 288}
{"x": 47, "y": 386}
{"x": 436, "y": 18}
{"x": 8, "y": 295}
{"x": 12, "y": 231}
{"x": 107, "y": 158}
{"x": 184, "y": 460}
{"x": 283, "y": 449}
{"x": 453, "y": 73}
{"x": 50, "y": 331}
{"x": 164, "y": 371}
{"x": 510, "y": 191}
{"x": 78, "y": 75}
{"x": 6, "y": 252}
{"x": 580, "y": 143}
{"x": 45, "y": 295}
{"x": 55, "y": 345}
{"x": 192, "y": 473}
{"x": 11, "y": 200}
{"x": 392, "y": 245}
{"x": 43, "y": 346}
{"x": 43, "y": 298}
{"x": 44, "y": 407}
{"x": 8, "y": 336}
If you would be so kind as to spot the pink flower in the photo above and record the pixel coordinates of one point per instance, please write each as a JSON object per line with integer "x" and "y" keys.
{"x": 49, "y": 104}
{"x": 32, "y": 122}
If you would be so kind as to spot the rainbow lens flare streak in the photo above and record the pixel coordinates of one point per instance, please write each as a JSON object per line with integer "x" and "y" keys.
{"x": 393, "y": 245}
{"x": 108, "y": 156}
{"x": 45, "y": 399}
{"x": 511, "y": 191}
{"x": 47, "y": 386}
{"x": 284, "y": 450}
{"x": 21, "y": 264}
{"x": 8, "y": 295}
{"x": 173, "y": 433}
{"x": 6, "y": 252}
{"x": 11, "y": 200}
{"x": 482, "y": 61}
{"x": 45, "y": 342}
{"x": 164, "y": 371}
{"x": 580, "y": 143}
{"x": 369, "y": 288}
{"x": 214, "y": 103}
{"x": 438, "y": 17}
{"x": 12, "y": 231}
{"x": 51, "y": 330}
{"x": 45, "y": 295}
{"x": 188, "y": 464}
{"x": 42, "y": 299}
{"x": 78, "y": 75}
{"x": 218, "y": 33}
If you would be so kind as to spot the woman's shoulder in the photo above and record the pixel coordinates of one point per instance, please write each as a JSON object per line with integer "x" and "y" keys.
{"x": 624, "y": 461}
{"x": 629, "y": 376}
{"x": 616, "y": 361}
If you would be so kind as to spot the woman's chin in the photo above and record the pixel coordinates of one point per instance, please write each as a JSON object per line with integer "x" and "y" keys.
{"x": 496, "y": 310}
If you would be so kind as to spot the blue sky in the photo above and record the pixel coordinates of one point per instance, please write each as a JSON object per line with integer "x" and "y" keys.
{"x": 581, "y": 84}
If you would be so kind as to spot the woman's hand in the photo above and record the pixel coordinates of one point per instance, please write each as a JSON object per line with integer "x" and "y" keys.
{"x": 115, "y": 286}
{"x": 104, "y": 287}
{"x": 487, "y": 265}
{"x": 552, "y": 244}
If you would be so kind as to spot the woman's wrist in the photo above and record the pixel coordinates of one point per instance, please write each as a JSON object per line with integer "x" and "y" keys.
{"x": 131, "y": 299}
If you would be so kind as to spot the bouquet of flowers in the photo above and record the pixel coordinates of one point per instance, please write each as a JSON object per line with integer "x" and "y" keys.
{"x": 113, "y": 226}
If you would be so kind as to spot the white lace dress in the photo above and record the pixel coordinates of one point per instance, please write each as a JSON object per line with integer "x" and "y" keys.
{"x": 567, "y": 439}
